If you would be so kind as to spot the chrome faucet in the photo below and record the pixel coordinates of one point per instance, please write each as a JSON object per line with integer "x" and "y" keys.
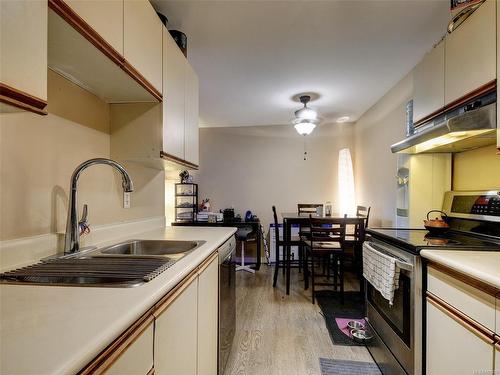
{"x": 72, "y": 237}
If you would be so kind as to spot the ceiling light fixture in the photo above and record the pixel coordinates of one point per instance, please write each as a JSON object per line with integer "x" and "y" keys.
{"x": 304, "y": 127}
{"x": 305, "y": 118}
{"x": 343, "y": 119}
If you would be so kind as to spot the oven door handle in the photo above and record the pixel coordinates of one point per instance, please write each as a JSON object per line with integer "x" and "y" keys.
{"x": 401, "y": 263}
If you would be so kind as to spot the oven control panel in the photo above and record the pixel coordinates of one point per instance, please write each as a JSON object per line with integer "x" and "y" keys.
{"x": 484, "y": 205}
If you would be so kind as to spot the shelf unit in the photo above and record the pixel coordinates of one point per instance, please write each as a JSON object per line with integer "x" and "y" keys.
{"x": 186, "y": 201}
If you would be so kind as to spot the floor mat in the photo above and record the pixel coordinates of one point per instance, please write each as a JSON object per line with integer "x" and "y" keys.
{"x": 338, "y": 367}
{"x": 332, "y": 308}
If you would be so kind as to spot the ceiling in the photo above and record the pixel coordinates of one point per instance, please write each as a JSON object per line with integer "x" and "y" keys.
{"x": 254, "y": 57}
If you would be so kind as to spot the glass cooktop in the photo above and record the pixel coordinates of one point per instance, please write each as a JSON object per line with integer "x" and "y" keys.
{"x": 416, "y": 239}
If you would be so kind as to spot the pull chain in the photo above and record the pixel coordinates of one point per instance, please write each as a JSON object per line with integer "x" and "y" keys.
{"x": 305, "y": 151}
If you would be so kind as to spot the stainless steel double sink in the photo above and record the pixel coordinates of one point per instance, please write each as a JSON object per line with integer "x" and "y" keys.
{"x": 126, "y": 264}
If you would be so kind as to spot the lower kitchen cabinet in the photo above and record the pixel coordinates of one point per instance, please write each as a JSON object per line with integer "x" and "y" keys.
{"x": 497, "y": 357}
{"x": 186, "y": 326}
{"x": 176, "y": 334}
{"x": 460, "y": 324}
{"x": 137, "y": 359}
{"x": 453, "y": 347}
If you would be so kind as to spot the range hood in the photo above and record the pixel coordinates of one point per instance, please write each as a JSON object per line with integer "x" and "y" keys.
{"x": 464, "y": 128}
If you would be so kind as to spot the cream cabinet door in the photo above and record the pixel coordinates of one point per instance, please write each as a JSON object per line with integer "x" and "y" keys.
{"x": 497, "y": 357}
{"x": 105, "y": 17}
{"x": 471, "y": 53}
{"x": 192, "y": 121}
{"x": 137, "y": 359}
{"x": 174, "y": 98}
{"x": 454, "y": 349}
{"x": 428, "y": 83}
{"x": 23, "y": 46}
{"x": 142, "y": 40}
{"x": 208, "y": 296}
{"x": 176, "y": 331}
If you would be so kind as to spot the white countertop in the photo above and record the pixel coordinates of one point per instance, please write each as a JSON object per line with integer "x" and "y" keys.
{"x": 481, "y": 265}
{"x": 58, "y": 330}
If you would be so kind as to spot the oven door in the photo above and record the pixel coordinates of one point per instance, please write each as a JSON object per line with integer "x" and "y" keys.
{"x": 394, "y": 325}
{"x": 397, "y": 316}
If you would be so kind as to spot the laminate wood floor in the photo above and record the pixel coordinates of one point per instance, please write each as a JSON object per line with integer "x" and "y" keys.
{"x": 279, "y": 334}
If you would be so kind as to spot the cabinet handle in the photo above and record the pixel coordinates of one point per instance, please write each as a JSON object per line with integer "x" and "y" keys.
{"x": 468, "y": 323}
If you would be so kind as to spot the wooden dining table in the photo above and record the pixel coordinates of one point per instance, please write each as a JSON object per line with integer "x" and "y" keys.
{"x": 294, "y": 218}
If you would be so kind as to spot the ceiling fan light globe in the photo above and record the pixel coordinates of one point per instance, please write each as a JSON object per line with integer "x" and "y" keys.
{"x": 304, "y": 127}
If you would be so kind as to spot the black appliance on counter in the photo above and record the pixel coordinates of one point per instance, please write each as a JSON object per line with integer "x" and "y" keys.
{"x": 397, "y": 343}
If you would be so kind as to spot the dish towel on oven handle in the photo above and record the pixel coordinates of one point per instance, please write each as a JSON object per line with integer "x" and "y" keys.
{"x": 381, "y": 271}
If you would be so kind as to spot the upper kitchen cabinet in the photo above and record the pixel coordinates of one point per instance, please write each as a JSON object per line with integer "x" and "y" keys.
{"x": 180, "y": 106}
{"x": 191, "y": 118}
{"x": 471, "y": 54}
{"x": 174, "y": 89}
{"x": 428, "y": 84}
{"x": 105, "y": 17}
{"x": 143, "y": 40}
{"x": 23, "y": 56}
{"x": 94, "y": 45}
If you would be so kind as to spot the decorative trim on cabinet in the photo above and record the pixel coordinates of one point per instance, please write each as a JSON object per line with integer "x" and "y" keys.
{"x": 478, "y": 284}
{"x": 178, "y": 160}
{"x": 111, "y": 354}
{"x": 430, "y": 116}
{"x": 20, "y": 99}
{"x": 207, "y": 262}
{"x": 490, "y": 86}
{"x": 84, "y": 29}
{"x": 477, "y": 329}
{"x": 167, "y": 300}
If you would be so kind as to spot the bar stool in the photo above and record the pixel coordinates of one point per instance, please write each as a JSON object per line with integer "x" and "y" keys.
{"x": 282, "y": 263}
{"x": 242, "y": 236}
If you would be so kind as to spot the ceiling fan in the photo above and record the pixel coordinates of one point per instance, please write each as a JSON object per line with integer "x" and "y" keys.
{"x": 306, "y": 118}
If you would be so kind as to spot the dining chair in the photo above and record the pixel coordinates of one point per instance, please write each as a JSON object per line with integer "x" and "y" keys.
{"x": 295, "y": 241}
{"x": 308, "y": 208}
{"x": 327, "y": 237}
{"x": 364, "y": 211}
{"x": 303, "y": 209}
{"x": 361, "y": 212}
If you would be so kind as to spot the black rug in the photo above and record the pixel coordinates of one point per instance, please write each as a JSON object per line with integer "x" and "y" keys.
{"x": 332, "y": 307}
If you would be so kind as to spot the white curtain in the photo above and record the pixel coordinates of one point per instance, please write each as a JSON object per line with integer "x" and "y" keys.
{"x": 347, "y": 198}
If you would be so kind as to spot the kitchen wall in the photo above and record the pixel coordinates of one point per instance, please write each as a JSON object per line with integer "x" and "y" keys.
{"x": 259, "y": 166}
{"x": 39, "y": 153}
{"x": 477, "y": 169}
{"x": 374, "y": 165}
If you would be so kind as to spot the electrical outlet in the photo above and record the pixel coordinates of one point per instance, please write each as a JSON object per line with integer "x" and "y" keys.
{"x": 126, "y": 200}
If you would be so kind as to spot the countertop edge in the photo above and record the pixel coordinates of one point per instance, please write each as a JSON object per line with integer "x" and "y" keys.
{"x": 450, "y": 260}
